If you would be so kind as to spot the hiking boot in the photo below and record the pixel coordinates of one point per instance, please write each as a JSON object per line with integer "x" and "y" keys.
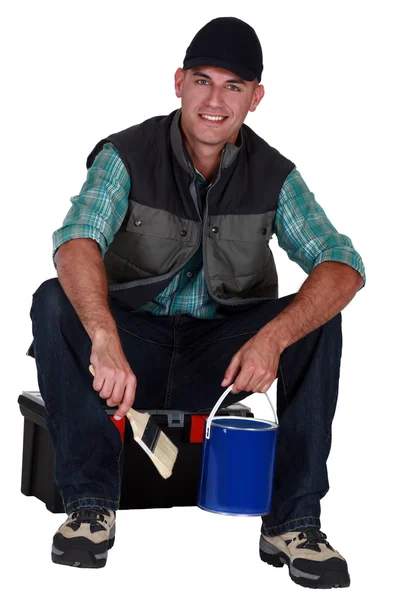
{"x": 311, "y": 560}
{"x": 85, "y": 538}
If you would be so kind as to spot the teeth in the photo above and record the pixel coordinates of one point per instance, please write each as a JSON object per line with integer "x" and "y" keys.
{"x": 212, "y": 118}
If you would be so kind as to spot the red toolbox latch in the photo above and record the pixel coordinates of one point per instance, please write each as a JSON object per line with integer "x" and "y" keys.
{"x": 120, "y": 425}
{"x": 197, "y": 428}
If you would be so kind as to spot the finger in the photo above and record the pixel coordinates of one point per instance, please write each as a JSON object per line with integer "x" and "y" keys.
{"x": 266, "y": 387}
{"x": 263, "y": 386}
{"x": 98, "y": 382}
{"x": 118, "y": 391}
{"x": 268, "y": 381}
{"x": 127, "y": 401}
{"x": 243, "y": 382}
{"x": 107, "y": 389}
{"x": 259, "y": 381}
{"x": 232, "y": 370}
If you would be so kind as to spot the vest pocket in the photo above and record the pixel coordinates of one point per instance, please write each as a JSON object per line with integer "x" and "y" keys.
{"x": 238, "y": 244}
{"x": 153, "y": 242}
{"x": 148, "y": 221}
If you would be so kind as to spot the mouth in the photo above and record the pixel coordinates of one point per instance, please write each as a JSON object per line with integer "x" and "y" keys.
{"x": 213, "y": 120}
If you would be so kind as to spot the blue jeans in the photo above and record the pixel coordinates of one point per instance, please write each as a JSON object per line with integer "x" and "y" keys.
{"x": 179, "y": 363}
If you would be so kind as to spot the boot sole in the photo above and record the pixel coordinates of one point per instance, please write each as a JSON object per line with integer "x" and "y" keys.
{"x": 330, "y": 579}
{"x": 81, "y": 552}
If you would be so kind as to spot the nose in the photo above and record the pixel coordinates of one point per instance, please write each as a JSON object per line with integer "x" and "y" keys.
{"x": 214, "y": 98}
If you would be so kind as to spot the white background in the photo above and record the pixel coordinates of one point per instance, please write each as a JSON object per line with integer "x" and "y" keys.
{"x": 76, "y": 72}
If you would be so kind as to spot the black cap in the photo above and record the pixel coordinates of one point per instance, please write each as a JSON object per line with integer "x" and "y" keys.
{"x": 228, "y": 43}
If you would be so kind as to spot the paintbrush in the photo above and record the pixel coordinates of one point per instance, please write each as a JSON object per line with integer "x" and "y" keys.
{"x": 154, "y": 442}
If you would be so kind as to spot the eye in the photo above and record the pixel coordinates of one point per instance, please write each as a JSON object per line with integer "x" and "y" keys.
{"x": 236, "y": 88}
{"x": 203, "y": 80}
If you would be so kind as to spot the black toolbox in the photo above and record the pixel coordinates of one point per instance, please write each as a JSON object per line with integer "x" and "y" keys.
{"x": 142, "y": 485}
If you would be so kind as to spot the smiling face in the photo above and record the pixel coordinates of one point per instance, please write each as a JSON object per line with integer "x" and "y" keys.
{"x": 214, "y": 92}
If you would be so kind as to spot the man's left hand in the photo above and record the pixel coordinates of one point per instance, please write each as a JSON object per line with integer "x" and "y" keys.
{"x": 254, "y": 366}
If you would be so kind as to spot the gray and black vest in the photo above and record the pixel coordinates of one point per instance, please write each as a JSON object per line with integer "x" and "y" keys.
{"x": 165, "y": 222}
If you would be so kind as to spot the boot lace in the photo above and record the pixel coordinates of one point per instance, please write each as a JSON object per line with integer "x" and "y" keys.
{"x": 89, "y": 515}
{"x": 312, "y": 537}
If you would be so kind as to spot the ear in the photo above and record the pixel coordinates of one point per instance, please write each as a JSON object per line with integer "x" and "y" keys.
{"x": 179, "y": 79}
{"x": 258, "y": 95}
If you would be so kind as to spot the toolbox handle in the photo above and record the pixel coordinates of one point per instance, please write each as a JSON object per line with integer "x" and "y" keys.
{"x": 218, "y": 404}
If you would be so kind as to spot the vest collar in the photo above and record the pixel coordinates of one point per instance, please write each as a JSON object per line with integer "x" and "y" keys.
{"x": 182, "y": 155}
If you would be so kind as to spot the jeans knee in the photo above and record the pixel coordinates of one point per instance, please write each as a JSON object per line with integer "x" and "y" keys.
{"x": 336, "y": 322}
{"x": 333, "y": 329}
{"x": 50, "y": 301}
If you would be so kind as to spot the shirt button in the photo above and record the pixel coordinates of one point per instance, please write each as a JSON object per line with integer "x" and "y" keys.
{"x": 138, "y": 223}
{"x": 264, "y": 231}
{"x": 214, "y": 229}
{"x": 183, "y": 232}
{"x": 189, "y": 274}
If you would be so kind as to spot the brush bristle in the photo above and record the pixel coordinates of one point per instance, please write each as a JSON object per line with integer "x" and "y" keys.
{"x": 162, "y": 452}
{"x": 166, "y": 453}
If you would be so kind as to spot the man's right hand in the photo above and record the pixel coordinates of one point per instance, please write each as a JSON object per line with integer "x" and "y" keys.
{"x": 114, "y": 379}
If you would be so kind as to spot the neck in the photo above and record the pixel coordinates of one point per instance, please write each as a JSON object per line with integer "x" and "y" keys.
{"x": 205, "y": 157}
{"x": 207, "y": 165}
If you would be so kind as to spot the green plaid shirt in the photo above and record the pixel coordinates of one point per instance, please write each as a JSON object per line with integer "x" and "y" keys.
{"x": 301, "y": 226}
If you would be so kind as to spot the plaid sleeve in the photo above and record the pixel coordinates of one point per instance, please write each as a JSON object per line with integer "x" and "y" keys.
{"x": 305, "y": 233}
{"x": 99, "y": 209}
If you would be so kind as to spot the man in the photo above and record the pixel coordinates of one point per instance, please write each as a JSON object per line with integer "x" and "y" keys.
{"x": 167, "y": 285}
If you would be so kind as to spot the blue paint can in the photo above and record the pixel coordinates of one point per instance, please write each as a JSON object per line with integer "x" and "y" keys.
{"x": 238, "y": 463}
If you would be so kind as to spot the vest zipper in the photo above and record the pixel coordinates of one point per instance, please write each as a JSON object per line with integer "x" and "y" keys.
{"x": 195, "y": 198}
{"x": 204, "y": 232}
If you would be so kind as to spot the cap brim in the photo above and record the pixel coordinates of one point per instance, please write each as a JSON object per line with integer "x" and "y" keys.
{"x": 226, "y": 64}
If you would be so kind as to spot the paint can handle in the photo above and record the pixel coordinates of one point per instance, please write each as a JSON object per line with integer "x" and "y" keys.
{"x": 218, "y": 404}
